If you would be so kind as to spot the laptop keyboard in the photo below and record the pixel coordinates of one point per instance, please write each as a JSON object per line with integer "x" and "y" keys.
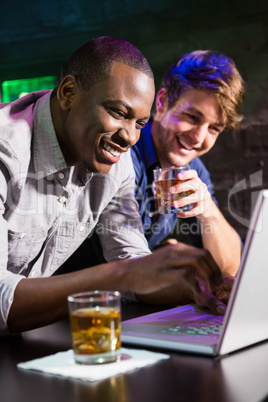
{"x": 213, "y": 330}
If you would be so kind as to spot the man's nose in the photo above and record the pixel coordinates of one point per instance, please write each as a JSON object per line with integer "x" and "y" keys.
{"x": 199, "y": 134}
{"x": 129, "y": 135}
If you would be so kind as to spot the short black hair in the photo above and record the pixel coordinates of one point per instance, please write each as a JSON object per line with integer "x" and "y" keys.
{"x": 92, "y": 62}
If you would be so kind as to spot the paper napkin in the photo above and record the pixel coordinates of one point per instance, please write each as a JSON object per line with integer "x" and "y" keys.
{"x": 63, "y": 364}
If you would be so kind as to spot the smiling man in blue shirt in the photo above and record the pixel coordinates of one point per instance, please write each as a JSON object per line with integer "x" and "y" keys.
{"x": 200, "y": 96}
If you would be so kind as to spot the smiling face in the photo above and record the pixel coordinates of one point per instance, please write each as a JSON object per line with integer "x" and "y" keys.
{"x": 189, "y": 129}
{"x": 95, "y": 127}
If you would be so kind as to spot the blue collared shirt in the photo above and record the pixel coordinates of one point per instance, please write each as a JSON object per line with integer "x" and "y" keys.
{"x": 157, "y": 227}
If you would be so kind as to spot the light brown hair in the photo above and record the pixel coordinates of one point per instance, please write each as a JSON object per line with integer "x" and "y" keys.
{"x": 210, "y": 71}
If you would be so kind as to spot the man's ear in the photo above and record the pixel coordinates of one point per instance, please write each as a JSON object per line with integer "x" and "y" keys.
{"x": 161, "y": 100}
{"x": 66, "y": 92}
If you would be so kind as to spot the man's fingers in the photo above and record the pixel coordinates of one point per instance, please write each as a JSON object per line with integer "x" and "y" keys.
{"x": 165, "y": 243}
{"x": 206, "y": 268}
{"x": 210, "y": 301}
{"x": 228, "y": 282}
{"x": 223, "y": 291}
{"x": 194, "y": 261}
{"x": 215, "y": 305}
{"x": 173, "y": 264}
{"x": 204, "y": 298}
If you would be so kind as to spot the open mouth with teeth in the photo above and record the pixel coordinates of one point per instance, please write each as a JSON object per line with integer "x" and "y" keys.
{"x": 111, "y": 154}
{"x": 184, "y": 144}
{"x": 112, "y": 151}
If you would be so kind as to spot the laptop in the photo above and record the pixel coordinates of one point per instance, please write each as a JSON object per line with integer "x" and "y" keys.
{"x": 191, "y": 329}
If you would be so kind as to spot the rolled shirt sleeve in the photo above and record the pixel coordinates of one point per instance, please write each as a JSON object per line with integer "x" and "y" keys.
{"x": 8, "y": 280}
{"x": 120, "y": 227}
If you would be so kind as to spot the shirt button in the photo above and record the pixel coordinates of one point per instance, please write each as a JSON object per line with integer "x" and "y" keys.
{"x": 61, "y": 175}
{"x": 81, "y": 228}
{"x": 62, "y": 199}
{"x": 22, "y": 235}
{"x": 32, "y": 274}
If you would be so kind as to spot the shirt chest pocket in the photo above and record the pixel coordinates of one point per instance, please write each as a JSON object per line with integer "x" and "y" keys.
{"x": 67, "y": 238}
{"x": 23, "y": 247}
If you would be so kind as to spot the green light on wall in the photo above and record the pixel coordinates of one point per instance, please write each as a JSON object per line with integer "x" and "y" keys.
{"x": 14, "y": 89}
